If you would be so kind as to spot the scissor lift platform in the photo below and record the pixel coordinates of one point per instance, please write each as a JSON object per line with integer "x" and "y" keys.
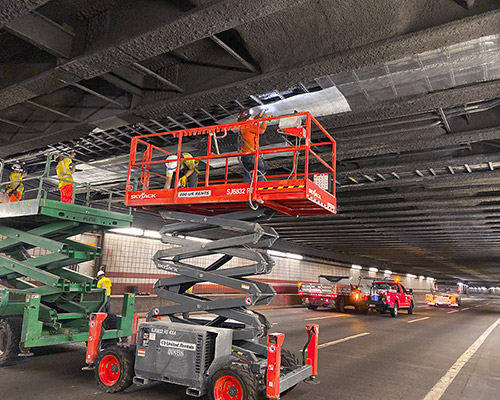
{"x": 36, "y": 212}
{"x": 42, "y": 302}
{"x": 308, "y": 190}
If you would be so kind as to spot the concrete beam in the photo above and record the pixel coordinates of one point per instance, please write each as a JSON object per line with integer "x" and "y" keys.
{"x": 429, "y": 102}
{"x": 422, "y": 141}
{"x": 475, "y": 178}
{"x": 370, "y": 55}
{"x": 207, "y": 21}
{"x": 11, "y": 9}
{"x": 43, "y": 33}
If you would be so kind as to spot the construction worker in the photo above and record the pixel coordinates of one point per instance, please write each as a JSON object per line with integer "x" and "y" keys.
{"x": 15, "y": 188}
{"x": 188, "y": 175}
{"x": 248, "y": 142}
{"x": 105, "y": 284}
{"x": 65, "y": 169}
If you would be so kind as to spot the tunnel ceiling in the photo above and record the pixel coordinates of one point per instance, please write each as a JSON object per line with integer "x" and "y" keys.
{"x": 418, "y": 167}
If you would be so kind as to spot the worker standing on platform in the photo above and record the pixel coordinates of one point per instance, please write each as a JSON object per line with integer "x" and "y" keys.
{"x": 248, "y": 142}
{"x": 105, "y": 284}
{"x": 188, "y": 175}
{"x": 15, "y": 188}
{"x": 65, "y": 169}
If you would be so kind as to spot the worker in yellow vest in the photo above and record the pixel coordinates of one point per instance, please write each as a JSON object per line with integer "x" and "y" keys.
{"x": 188, "y": 174}
{"x": 65, "y": 169}
{"x": 105, "y": 284}
{"x": 15, "y": 188}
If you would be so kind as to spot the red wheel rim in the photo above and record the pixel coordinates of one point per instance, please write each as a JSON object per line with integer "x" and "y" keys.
{"x": 109, "y": 370}
{"x": 228, "y": 387}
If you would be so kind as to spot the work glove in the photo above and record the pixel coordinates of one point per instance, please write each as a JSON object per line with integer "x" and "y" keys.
{"x": 183, "y": 181}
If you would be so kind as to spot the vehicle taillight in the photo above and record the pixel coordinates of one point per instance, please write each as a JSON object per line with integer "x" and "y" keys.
{"x": 327, "y": 300}
{"x": 301, "y": 293}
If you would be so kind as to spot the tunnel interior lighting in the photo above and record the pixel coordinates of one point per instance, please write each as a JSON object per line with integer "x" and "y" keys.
{"x": 128, "y": 231}
{"x": 355, "y": 266}
{"x": 152, "y": 234}
{"x": 421, "y": 277}
{"x": 411, "y": 276}
{"x": 388, "y": 272}
{"x": 373, "y": 269}
{"x": 293, "y": 256}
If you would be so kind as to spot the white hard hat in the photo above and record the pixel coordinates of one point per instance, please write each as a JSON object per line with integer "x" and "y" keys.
{"x": 16, "y": 167}
{"x": 171, "y": 164}
{"x": 100, "y": 273}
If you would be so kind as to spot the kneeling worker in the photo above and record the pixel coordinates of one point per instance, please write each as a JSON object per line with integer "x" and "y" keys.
{"x": 188, "y": 174}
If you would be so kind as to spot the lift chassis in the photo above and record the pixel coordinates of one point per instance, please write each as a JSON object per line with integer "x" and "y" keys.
{"x": 218, "y": 352}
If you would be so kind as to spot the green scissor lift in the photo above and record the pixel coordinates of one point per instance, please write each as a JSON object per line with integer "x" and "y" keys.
{"x": 42, "y": 302}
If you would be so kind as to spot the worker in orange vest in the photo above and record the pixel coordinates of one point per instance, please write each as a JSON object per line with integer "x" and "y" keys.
{"x": 248, "y": 142}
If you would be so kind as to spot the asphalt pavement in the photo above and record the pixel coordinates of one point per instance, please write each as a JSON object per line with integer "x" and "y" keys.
{"x": 436, "y": 353}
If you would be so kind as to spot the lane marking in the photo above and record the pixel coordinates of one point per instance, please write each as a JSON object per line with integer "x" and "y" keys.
{"x": 479, "y": 305}
{"x": 422, "y": 306}
{"x": 439, "y": 388}
{"x": 452, "y": 311}
{"x": 419, "y": 319}
{"x": 463, "y": 309}
{"x": 343, "y": 340}
{"x": 330, "y": 316}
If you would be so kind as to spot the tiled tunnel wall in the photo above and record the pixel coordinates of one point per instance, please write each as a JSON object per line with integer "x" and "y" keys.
{"x": 128, "y": 262}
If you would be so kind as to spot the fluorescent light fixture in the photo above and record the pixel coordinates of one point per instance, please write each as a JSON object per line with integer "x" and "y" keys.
{"x": 373, "y": 269}
{"x": 152, "y": 234}
{"x": 355, "y": 266}
{"x": 293, "y": 256}
{"x": 429, "y": 278}
{"x": 276, "y": 253}
{"x": 411, "y": 276}
{"x": 388, "y": 272}
{"x": 128, "y": 231}
{"x": 421, "y": 277}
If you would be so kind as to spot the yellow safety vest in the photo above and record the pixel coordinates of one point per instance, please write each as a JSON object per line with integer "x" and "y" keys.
{"x": 105, "y": 283}
{"x": 185, "y": 164}
{"x": 16, "y": 184}
{"x": 63, "y": 171}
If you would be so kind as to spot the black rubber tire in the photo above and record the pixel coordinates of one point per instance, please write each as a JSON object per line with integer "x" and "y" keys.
{"x": 288, "y": 359}
{"x": 365, "y": 310}
{"x": 10, "y": 335}
{"x": 394, "y": 310}
{"x": 242, "y": 374}
{"x": 312, "y": 308}
{"x": 111, "y": 322}
{"x": 125, "y": 359}
{"x": 410, "y": 310}
{"x": 341, "y": 305}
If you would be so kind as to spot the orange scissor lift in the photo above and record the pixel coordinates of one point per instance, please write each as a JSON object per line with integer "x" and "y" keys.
{"x": 240, "y": 368}
{"x": 308, "y": 189}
